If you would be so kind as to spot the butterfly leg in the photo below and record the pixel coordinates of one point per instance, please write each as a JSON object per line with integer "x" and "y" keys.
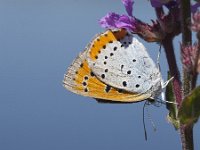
{"x": 163, "y": 94}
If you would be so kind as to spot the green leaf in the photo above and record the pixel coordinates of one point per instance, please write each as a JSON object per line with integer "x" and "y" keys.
{"x": 172, "y": 107}
{"x": 189, "y": 111}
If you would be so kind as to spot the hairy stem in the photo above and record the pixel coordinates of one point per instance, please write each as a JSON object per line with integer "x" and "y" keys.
{"x": 186, "y": 39}
{"x": 186, "y": 130}
{"x": 195, "y": 73}
{"x": 186, "y": 133}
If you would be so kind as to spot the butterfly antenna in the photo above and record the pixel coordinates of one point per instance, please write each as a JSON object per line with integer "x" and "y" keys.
{"x": 150, "y": 119}
{"x": 162, "y": 100}
{"x": 145, "y": 131}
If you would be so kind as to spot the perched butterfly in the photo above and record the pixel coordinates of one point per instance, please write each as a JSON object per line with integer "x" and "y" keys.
{"x": 115, "y": 67}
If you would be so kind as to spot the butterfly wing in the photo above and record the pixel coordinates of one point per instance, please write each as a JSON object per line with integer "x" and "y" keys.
{"x": 121, "y": 61}
{"x": 81, "y": 80}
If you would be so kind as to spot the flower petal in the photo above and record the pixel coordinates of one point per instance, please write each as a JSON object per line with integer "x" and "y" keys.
{"x": 109, "y": 20}
{"x": 129, "y": 6}
{"x": 126, "y": 22}
{"x": 194, "y": 7}
{"x": 113, "y": 20}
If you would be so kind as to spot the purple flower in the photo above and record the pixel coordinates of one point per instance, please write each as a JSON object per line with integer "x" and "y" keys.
{"x": 129, "y": 6}
{"x": 189, "y": 57}
{"x": 113, "y": 20}
{"x": 129, "y": 22}
{"x": 194, "y": 7}
{"x": 195, "y": 25}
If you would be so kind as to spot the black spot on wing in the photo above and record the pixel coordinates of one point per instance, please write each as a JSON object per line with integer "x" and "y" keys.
{"x": 115, "y": 48}
{"x": 124, "y": 83}
{"x": 84, "y": 83}
{"x": 103, "y": 76}
{"x": 137, "y": 85}
{"x": 129, "y": 72}
{"x": 85, "y": 90}
{"x": 134, "y": 60}
{"x": 108, "y": 88}
{"x": 86, "y": 77}
{"x": 92, "y": 74}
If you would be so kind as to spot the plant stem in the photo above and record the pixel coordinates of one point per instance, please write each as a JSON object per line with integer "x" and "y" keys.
{"x": 171, "y": 59}
{"x": 195, "y": 73}
{"x": 186, "y": 131}
{"x": 169, "y": 50}
{"x": 186, "y": 39}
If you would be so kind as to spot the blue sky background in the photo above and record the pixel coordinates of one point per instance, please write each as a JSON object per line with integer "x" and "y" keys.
{"x": 38, "y": 40}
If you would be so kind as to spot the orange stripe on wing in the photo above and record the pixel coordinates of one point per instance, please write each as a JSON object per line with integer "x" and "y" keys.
{"x": 103, "y": 39}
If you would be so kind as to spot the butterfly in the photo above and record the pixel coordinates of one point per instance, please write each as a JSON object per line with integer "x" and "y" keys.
{"x": 114, "y": 67}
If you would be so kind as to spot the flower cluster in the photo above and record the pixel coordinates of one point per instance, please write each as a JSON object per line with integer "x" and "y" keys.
{"x": 156, "y": 32}
{"x": 190, "y": 57}
{"x": 195, "y": 26}
{"x": 148, "y": 32}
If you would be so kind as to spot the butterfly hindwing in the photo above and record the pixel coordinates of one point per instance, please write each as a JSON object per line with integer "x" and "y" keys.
{"x": 123, "y": 62}
{"x": 80, "y": 79}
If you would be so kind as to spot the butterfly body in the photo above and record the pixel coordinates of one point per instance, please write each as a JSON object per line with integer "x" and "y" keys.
{"x": 115, "y": 66}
